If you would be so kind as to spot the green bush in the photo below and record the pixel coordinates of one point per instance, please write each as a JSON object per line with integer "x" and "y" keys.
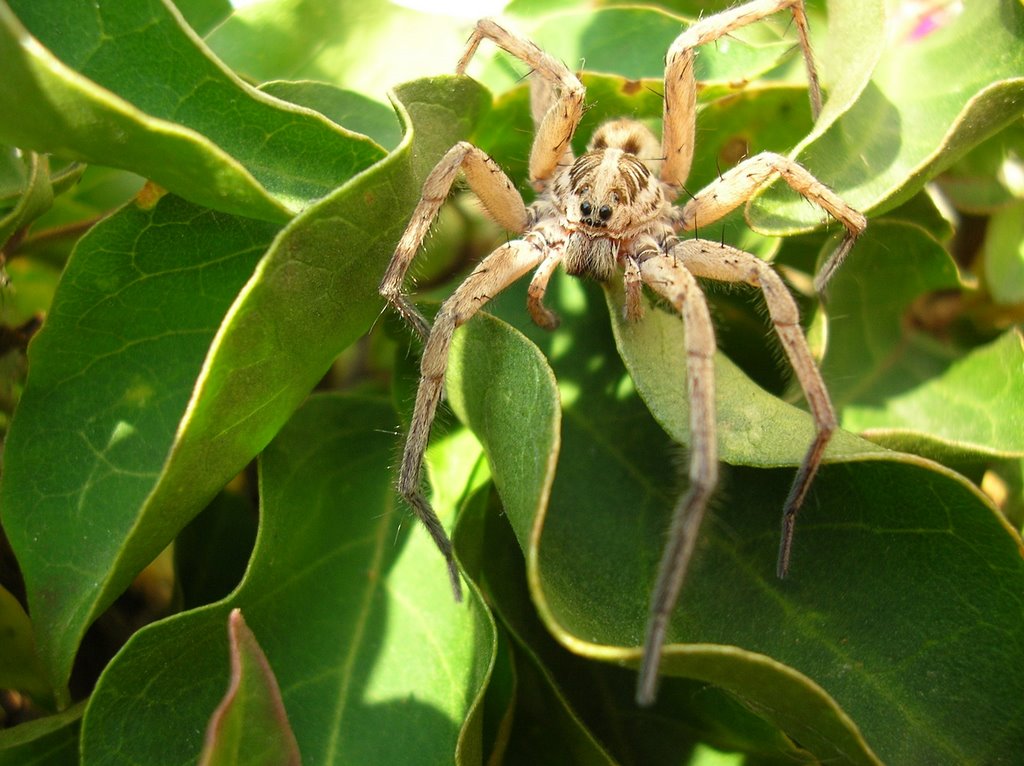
{"x": 188, "y": 319}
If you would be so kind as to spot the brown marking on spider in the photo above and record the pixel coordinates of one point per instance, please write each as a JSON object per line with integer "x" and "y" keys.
{"x": 611, "y": 211}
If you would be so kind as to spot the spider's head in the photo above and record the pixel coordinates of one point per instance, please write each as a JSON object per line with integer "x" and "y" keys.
{"x": 611, "y": 190}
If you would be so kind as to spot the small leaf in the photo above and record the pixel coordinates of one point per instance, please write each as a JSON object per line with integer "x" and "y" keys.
{"x": 19, "y": 663}
{"x": 34, "y": 196}
{"x": 250, "y": 726}
{"x": 50, "y": 741}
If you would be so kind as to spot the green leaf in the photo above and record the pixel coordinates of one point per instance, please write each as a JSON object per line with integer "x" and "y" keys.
{"x": 189, "y": 378}
{"x": 250, "y": 726}
{"x": 892, "y": 379}
{"x": 89, "y": 96}
{"x": 903, "y": 129}
{"x": 363, "y": 47}
{"x": 50, "y": 741}
{"x": 19, "y": 663}
{"x": 377, "y": 664}
{"x": 855, "y": 679}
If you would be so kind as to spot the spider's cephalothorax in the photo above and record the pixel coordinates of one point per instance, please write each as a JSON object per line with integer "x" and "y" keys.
{"x": 611, "y": 212}
{"x": 609, "y": 197}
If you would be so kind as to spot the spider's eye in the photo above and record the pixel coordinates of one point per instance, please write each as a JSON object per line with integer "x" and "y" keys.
{"x": 605, "y": 212}
{"x": 586, "y": 208}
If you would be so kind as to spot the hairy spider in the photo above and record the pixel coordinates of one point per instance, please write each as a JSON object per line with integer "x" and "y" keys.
{"x": 610, "y": 211}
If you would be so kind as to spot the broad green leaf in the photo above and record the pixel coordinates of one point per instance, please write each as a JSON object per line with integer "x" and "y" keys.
{"x": 854, "y": 679}
{"x": 189, "y": 378}
{"x": 19, "y": 663}
{"x": 348, "y": 598}
{"x": 893, "y": 379}
{"x": 344, "y": 107}
{"x": 365, "y": 47}
{"x": 203, "y": 134}
{"x": 905, "y": 127}
{"x": 250, "y": 726}
{"x": 50, "y": 741}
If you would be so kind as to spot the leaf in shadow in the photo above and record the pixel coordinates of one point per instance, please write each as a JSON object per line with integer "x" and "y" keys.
{"x": 891, "y": 553}
{"x": 194, "y": 360}
{"x": 375, "y": 661}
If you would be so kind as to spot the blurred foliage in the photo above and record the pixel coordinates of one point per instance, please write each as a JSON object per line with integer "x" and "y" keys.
{"x": 193, "y": 222}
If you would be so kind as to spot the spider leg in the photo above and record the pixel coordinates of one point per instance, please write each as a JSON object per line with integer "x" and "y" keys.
{"x": 727, "y": 264}
{"x": 742, "y": 182}
{"x": 565, "y": 109}
{"x": 679, "y": 123}
{"x": 667, "y": 276}
{"x": 492, "y": 275}
{"x": 499, "y": 197}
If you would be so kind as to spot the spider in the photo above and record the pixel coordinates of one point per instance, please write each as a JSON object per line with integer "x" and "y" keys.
{"x": 610, "y": 212}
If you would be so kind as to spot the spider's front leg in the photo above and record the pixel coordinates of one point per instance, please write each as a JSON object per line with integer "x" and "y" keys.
{"x": 667, "y": 276}
{"x": 739, "y": 184}
{"x": 564, "y": 107}
{"x": 496, "y": 272}
{"x": 679, "y": 122}
{"x": 499, "y": 197}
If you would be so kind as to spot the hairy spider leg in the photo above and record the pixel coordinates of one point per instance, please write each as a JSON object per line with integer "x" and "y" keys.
{"x": 668, "y": 277}
{"x": 727, "y": 264}
{"x": 492, "y": 275}
{"x": 680, "y": 112}
{"x": 740, "y": 183}
{"x": 556, "y": 129}
{"x": 496, "y": 192}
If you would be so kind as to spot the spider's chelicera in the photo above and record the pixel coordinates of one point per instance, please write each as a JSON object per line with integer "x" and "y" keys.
{"x": 611, "y": 212}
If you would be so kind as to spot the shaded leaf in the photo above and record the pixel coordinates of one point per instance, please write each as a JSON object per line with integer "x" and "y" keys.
{"x": 376, "y": 662}
{"x": 190, "y": 378}
{"x": 51, "y": 741}
{"x": 891, "y": 378}
{"x": 32, "y": 192}
{"x": 250, "y": 726}
{"x": 19, "y": 663}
